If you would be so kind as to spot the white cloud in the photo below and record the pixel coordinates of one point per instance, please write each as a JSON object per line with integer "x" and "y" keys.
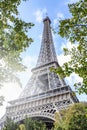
{"x": 62, "y": 59}
{"x": 39, "y": 14}
{"x": 55, "y": 21}
{"x": 58, "y": 17}
{"x": 29, "y": 61}
{"x": 10, "y": 91}
{"x": 68, "y": 45}
{"x": 82, "y": 97}
{"x": 73, "y": 78}
{"x": 71, "y": 1}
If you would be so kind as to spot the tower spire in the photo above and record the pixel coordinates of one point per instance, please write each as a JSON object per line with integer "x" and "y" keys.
{"x": 45, "y": 93}
{"x": 42, "y": 79}
{"x": 47, "y": 51}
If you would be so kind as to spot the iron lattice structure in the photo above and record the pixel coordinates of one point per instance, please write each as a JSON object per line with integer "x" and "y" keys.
{"x": 46, "y": 92}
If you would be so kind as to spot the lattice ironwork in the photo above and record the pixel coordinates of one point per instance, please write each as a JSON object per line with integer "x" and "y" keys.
{"x": 46, "y": 92}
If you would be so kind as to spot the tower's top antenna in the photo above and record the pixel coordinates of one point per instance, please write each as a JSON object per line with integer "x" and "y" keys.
{"x": 47, "y": 19}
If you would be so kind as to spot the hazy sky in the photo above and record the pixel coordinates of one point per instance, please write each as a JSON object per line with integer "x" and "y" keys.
{"x": 34, "y": 11}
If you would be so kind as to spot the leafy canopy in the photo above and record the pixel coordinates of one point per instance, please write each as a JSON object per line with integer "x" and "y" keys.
{"x": 73, "y": 118}
{"x": 14, "y": 39}
{"x": 29, "y": 124}
{"x": 75, "y": 30}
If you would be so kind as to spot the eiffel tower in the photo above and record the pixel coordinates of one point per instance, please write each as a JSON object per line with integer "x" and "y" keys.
{"x": 45, "y": 93}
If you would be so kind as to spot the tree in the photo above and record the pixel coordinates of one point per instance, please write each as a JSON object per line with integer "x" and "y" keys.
{"x": 34, "y": 124}
{"x": 10, "y": 125}
{"x": 75, "y": 30}
{"x": 13, "y": 40}
{"x": 76, "y": 117}
{"x": 21, "y": 127}
{"x": 58, "y": 123}
{"x": 28, "y": 124}
{"x": 73, "y": 118}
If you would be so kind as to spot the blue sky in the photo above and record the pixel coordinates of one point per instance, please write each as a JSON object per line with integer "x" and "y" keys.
{"x": 34, "y": 11}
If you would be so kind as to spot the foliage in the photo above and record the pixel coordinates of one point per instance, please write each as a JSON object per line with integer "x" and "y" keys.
{"x": 10, "y": 125}
{"x": 34, "y": 124}
{"x": 73, "y": 118}
{"x": 75, "y": 30}
{"x": 21, "y": 127}
{"x": 59, "y": 123}
{"x": 29, "y": 124}
{"x": 77, "y": 117}
{"x": 13, "y": 40}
